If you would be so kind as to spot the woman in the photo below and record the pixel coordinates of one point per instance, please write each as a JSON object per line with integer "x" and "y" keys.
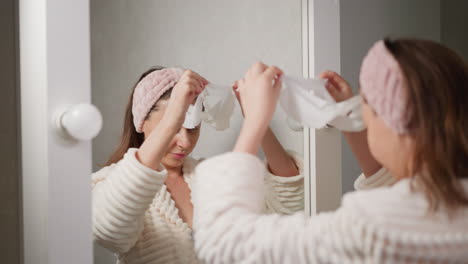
{"x": 415, "y": 94}
{"x": 141, "y": 200}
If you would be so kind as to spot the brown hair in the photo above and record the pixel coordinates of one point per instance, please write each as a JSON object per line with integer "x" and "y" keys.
{"x": 130, "y": 137}
{"x": 437, "y": 119}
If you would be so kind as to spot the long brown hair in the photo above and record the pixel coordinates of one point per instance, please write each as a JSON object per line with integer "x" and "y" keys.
{"x": 130, "y": 137}
{"x": 437, "y": 118}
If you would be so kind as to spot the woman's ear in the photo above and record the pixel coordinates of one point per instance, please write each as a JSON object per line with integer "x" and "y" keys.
{"x": 408, "y": 143}
{"x": 144, "y": 129}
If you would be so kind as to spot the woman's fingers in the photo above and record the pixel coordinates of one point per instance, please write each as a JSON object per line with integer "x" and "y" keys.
{"x": 188, "y": 74}
{"x": 277, "y": 85}
{"x": 204, "y": 81}
{"x": 240, "y": 84}
{"x": 235, "y": 86}
{"x": 329, "y": 75}
{"x": 333, "y": 91}
{"x": 194, "y": 80}
{"x": 335, "y": 79}
{"x": 338, "y": 87}
{"x": 273, "y": 72}
{"x": 197, "y": 86}
{"x": 326, "y": 74}
{"x": 255, "y": 69}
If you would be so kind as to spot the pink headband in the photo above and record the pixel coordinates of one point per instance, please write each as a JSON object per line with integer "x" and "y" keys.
{"x": 149, "y": 90}
{"x": 383, "y": 84}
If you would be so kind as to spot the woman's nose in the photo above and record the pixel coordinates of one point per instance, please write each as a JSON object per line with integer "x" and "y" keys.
{"x": 183, "y": 139}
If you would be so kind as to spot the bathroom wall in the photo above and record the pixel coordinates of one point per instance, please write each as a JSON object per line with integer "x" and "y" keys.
{"x": 454, "y": 25}
{"x": 365, "y": 21}
{"x": 9, "y": 139}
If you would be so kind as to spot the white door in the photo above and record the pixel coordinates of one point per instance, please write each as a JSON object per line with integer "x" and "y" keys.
{"x": 55, "y": 74}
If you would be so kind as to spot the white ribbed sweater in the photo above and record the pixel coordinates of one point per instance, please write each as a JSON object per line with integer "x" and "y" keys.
{"x": 135, "y": 217}
{"x": 383, "y": 225}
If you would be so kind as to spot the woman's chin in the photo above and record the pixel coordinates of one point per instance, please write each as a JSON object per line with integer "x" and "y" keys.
{"x": 171, "y": 162}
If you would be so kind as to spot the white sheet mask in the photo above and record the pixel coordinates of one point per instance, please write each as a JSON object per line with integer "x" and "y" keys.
{"x": 308, "y": 102}
{"x": 218, "y": 101}
{"x": 194, "y": 113}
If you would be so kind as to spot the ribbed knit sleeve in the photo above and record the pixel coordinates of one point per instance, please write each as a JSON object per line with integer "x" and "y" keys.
{"x": 381, "y": 178}
{"x": 121, "y": 194}
{"x": 285, "y": 195}
{"x": 230, "y": 227}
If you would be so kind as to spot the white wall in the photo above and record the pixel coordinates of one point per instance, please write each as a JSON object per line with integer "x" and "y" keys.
{"x": 219, "y": 39}
{"x": 365, "y": 21}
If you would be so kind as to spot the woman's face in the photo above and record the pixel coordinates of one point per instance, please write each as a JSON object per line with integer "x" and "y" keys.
{"x": 181, "y": 145}
{"x": 392, "y": 150}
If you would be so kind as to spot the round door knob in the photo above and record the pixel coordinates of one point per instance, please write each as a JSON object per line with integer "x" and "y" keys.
{"x": 81, "y": 122}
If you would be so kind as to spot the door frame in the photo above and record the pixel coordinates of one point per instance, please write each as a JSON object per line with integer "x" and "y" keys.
{"x": 322, "y": 148}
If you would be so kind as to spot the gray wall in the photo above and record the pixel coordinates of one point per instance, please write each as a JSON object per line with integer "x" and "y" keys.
{"x": 219, "y": 39}
{"x": 455, "y": 25}
{"x": 9, "y": 162}
{"x": 365, "y": 21}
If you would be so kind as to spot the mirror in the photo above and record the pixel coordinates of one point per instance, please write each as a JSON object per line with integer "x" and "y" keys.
{"x": 441, "y": 21}
{"x": 218, "y": 39}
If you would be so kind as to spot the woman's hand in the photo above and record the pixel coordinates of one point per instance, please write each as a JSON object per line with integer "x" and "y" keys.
{"x": 236, "y": 92}
{"x": 258, "y": 94}
{"x": 340, "y": 90}
{"x": 279, "y": 161}
{"x": 190, "y": 85}
{"x": 338, "y": 87}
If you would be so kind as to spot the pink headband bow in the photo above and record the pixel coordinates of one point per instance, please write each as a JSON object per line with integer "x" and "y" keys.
{"x": 383, "y": 84}
{"x": 149, "y": 90}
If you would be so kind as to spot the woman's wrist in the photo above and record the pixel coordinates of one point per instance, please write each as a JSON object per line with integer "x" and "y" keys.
{"x": 280, "y": 163}
{"x": 250, "y": 137}
{"x": 360, "y": 147}
{"x": 155, "y": 145}
{"x": 170, "y": 125}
